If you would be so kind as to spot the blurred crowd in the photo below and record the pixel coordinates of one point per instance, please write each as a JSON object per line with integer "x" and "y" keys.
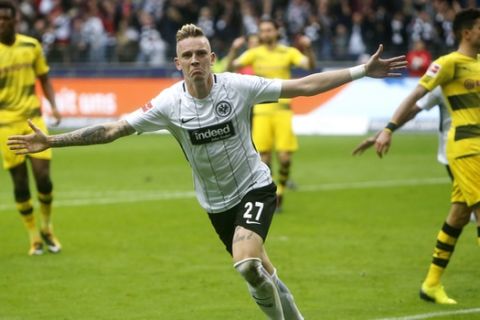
{"x": 143, "y": 31}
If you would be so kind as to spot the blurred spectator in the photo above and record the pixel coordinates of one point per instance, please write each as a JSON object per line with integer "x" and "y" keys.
{"x": 154, "y": 7}
{"x": 107, "y": 13}
{"x": 60, "y": 22}
{"x": 422, "y": 28}
{"x": 356, "y": 44}
{"x": 443, "y": 21}
{"x": 322, "y": 25}
{"x": 94, "y": 33}
{"x": 176, "y": 14}
{"x": 419, "y": 59}
{"x": 399, "y": 34}
{"x": 46, "y": 6}
{"x": 340, "y": 42}
{"x": 127, "y": 42}
{"x": 228, "y": 24}
{"x": 78, "y": 42}
{"x": 206, "y": 23}
{"x": 376, "y": 29}
{"x": 249, "y": 18}
{"x": 152, "y": 47}
{"x": 297, "y": 16}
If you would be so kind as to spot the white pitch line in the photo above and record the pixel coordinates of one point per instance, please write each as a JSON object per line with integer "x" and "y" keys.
{"x": 374, "y": 184}
{"x": 128, "y": 196}
{"x": 435, "y": 314}
{"x": 122, "y": 197}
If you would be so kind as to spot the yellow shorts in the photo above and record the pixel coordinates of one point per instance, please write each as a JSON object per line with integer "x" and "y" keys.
{"x": 10, "y": 159}
{"x": 274, "y": 131}
{"x": 466, "y": 186}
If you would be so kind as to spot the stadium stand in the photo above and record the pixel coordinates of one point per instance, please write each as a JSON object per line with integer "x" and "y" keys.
{"x": 142, "y": 31}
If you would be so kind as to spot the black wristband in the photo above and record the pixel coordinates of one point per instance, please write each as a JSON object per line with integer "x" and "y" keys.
{"x": 392, "y": 126}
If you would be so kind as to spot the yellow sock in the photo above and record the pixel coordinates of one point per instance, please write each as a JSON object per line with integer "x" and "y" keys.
{"x": 283, "y": 175}
{"x": 280, "y": 189}
{"x": 45, "y": 201}
{"x": 434, "y": 274}
{"x": 26, "y": 211}
{"x": 446, "y": 240}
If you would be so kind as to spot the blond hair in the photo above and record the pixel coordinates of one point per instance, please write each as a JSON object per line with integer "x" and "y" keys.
{"x": 189, "y": 31}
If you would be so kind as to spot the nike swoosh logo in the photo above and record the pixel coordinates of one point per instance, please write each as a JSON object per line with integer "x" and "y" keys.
{"x": 252, "y": 184}
{"x": 252, "y": 222}
{"x": 186, "y": 120}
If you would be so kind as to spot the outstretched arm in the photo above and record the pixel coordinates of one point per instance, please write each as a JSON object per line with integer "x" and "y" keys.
{"x": 320, "y": 82}
{"x": 402, "y": 114}
{"x": 98, "y": 134}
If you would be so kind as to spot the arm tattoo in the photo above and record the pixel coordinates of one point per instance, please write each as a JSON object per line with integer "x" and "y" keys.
{"x": 98, "y": 134}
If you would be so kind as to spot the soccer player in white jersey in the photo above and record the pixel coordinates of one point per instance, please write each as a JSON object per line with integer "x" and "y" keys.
{"x": 209, "y": 114}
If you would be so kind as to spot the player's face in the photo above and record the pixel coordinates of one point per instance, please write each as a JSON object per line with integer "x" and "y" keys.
{"x": 267, "y": 32}
{"x": 194, "y": 58}
{"x": 7, "y": 24}
{"x": 474, "y": 35}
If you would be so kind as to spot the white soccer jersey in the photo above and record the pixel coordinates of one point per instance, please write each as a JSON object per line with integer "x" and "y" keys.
{"x": 430, "y": 100}
{"x": 215, "y": 134}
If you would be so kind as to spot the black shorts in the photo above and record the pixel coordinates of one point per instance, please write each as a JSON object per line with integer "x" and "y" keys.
{"x": 254, "y": 212}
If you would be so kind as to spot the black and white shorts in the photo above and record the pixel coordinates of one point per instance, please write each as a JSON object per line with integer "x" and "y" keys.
{"x": 254, "y": 212}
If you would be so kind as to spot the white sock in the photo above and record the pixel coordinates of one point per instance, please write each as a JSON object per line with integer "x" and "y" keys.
{"x": 290, "y": 310}
{"x": 261, "y": 287}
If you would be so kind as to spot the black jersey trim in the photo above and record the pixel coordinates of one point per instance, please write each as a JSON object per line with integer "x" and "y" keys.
{"x": 467, "y": 131}
{"x": 464, "y": 101}
{"x": 26, "y": 44}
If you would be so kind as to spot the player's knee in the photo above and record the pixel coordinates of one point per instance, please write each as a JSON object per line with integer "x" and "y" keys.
{"x": 285, "y": 163}
{"x": 250, "y": 269}
{"x": 44, "y": 185}
{"x": 266, "y": 158}
{"x": 21, "y": 194}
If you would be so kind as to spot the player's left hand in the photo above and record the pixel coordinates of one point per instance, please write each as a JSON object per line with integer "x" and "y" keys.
{"x": 381, "y": 68}
{"x": 365, "y": 145}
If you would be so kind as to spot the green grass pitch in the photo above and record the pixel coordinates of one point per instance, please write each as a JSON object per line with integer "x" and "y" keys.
{"x": 354, "y": 241}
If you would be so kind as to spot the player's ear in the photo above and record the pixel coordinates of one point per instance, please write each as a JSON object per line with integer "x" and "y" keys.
{"x": 213, "y": 58}
{"x": 177, "y": 64}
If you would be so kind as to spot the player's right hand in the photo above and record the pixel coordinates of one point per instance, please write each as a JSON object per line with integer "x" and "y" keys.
{"x": 30, "y": 143}
{"x": 238, "y": 43}
{"x": 382, "y": 143}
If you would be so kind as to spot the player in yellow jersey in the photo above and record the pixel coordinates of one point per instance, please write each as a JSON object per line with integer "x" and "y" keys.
{"x": 21, "y": 63}
{"x": 272, "y": 122}
{"x": 458, "y": 74}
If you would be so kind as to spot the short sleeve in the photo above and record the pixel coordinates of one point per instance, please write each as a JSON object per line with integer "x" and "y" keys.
{"x": 247, "y": 58}
{"x": 261, "y": 89}
{"x": 153, "y": 116}
{"x": 296, "y": 56}
{"x": 439, "y": 72}
{"x": 40, "y": 63}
